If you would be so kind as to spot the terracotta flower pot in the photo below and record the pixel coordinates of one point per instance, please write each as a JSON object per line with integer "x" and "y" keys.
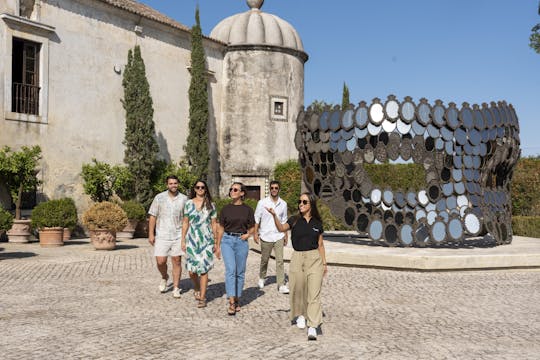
{"x": 128, "y": 231}
{"x": 67, "y": 234}
{"x": 53, "y": 236}
{"x": 20, "y": 231}
{"x": 103, "y": 239}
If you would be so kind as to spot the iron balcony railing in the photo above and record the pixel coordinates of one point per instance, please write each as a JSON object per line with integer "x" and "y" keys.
{"x": 25, "y": 99}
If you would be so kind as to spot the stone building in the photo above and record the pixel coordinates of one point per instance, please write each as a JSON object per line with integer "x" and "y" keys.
{"x": 61, "y": 64}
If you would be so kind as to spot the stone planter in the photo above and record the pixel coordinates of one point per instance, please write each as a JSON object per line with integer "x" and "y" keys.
{"x": 103, "y": 239}
{"x": 67, "y": 234}
{"x": 128, "y": 231}
{"x": 53, "y": 236}
{"x": 20, "y": 231}
{"x": 141, "y": 231}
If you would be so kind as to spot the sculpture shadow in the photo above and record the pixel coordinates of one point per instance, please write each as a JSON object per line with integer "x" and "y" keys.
{"x": 16, "y": 255}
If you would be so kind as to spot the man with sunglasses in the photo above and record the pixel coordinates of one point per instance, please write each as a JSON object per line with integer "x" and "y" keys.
{"x": 270, "y": 237}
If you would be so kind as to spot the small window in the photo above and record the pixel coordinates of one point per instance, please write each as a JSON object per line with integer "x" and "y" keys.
{"x": 25, "y": 77}
{"x": 278, "y": 108}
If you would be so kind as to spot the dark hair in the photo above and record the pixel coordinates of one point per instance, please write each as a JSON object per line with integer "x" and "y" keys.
{"x": 313, "y": 203}
{"x": 275, "y": 182}
{"x": 242, "y": 188}
{"x": 207, "y": 203}
{"x": 172, "y": 177}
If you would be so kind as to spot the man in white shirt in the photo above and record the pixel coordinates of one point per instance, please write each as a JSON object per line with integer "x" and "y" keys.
{"x": 271, "y": 238}
{"x": 165, "y": 233}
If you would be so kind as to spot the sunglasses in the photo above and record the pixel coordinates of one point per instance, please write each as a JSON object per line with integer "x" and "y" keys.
{"x": 274, "y": 187}
{"x": 234, "y": 190}
{"x": 304, "y": 202}
{"x": 202, "y": 187}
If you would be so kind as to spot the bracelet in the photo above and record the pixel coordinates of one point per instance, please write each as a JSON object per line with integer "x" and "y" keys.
{"x": 324, "y": 264}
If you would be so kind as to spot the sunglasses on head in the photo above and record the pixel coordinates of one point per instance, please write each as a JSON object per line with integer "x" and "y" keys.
{"x": 305, "y": 202}
{"x": 200, "y": 187}
{"x": 234, "y": 190}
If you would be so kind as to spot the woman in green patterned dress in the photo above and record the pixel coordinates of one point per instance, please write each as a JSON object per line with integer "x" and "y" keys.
{"x": 198, "y": 234}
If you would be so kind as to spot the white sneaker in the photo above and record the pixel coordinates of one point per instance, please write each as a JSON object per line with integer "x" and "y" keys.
{"x": 283, "y": 289}
{"x": 301, "y": 322}
{"x": 176, "y": 292}
{"x": 312, "y": 333}
{"x": 261, "y": 283}
{"x": 163, "y": 286}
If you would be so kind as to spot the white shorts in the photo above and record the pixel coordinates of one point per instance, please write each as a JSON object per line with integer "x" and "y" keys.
{"x": 168, "y": 248}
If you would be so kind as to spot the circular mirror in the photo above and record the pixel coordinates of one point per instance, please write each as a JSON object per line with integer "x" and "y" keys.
{"x": 462, "y": 201}
{"x": 400, "y": 199}
{"x": 477, "y": 162}
{"x": 391, "y": 234}
{"x": 417, "y": 128}
{"x": 447, "y": 134}
{"x": 451, "y": 202}
{"x": 334, "y": 120}
{"x": 433, "y": 131}
{"x": 423, "y": 198}
{"x": 449, "y": 147}
{"x": 411, "y": 199}
{"x": 376, "y": 113}
{"x": 447, "y": 189}
{"x": 438, "y": 115}
{"x": 441, "y": 205}
{"x": 467, "y": 161}
{"x": 313, "y": 123}
{"x": 402, "y": 127}
{"x": 351, "y": 144}
{"x": 335, "y": 135}
{"x": 420, "y": 214}
{"x": 444, "y": 216}
{"x": 438, "y": 231}
{"x": 388, "y": 125}
{"x": 347, "y": 121}
{"x": 479, "y": 122}
{"x": 434, "y": 192}
{"x": 475, "y": 137}
{"x": 423, "y": 113}
{"x": 324, "y": 123}
{"x": 406, "y": 234}
{"x": 472, "y": 224}
{"x": 350, "y": 215}
{"x": 342, "y": 145}
{"x": 392, "y": 109}
{"x": 461, "y": 136}
{"x": 373, "y": 130}
{"x": 421, "y": 235}
{"x": 488, "y": 118}
{"x": 346, "y": 135}
{"x": 431, "y": 216}
{"x": 375, "y": 196}
{"x": 467, "y": 118}
{"x": 459, "y": 188}
{"x": 452, "y": 117}
{"x": 388, "y": 197}
{"x": 362, "y": 222}
{"x": 360, "y": 133}
{"x": 457, "y": 174}
{"x": 375, "y": 230}
{"x": 455, "y": 229}
{"x": 407, "y": 111}
{"x": 361, "y": 117}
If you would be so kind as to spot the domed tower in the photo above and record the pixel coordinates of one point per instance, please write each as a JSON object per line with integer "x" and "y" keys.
{"x": 262, "y": 93}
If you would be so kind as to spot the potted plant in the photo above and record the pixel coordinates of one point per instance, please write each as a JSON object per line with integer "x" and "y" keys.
{"x": 18, "y": 172}
{"x": 135, "y": 212}
{"x": 49, "y": 218}
{"x": 6, "y": 221}
{"x": 70, "y": 214}
{"x": 104, "y": 219}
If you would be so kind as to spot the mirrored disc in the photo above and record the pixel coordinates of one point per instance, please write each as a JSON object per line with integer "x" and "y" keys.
{"x": 347, "y": 120}
{"x": 406, "y": 234}
{"x": 403, "y": 127}
{"x": 422, "y": 197}
{"x": 455, "y": 229}
{"x": 438, "y": 115}
{"x": 472, "y": 224}
{"x": 438, "y": 231}
{"x": 376, "y": 195}
{"x": 373, "y": 130}
{"x": 418, "y": 128}
{"x": 423, "y": 113}
{"x": 375, "y": 230}
{"x": 452, "y": 117}
{"x": 392, "y": 109}
{"x": 351, "y": 144}
{"x": 388, "y": 125}
{"x": 376, "y": 113}
{"x": 334, "y": 120}
{"x": 361, "y": 117}
{"x": 407, "y": 111}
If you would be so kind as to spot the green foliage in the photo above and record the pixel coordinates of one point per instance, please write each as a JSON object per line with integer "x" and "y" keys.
{"x": 535, "y": 35}
{"x": 196, "y": 148}
{"x": 181, "y": 169}
{"x": 98, "y": 180}
{"x": 105, "y": 215}
{"x": 6, "y": 220}
{"x": 18, "y": 171}
{"x": 140, "y": 138}
{"x": 526, "y": 226}
{"x": 345, "y": 98}
{"x": 397, "y": 176}
{"x": 330, "y": 222}
{"x": 54, "y": 213}
{"x": 134, "y": 210}
{"x": 318, "y": 106}
{"x": 289, "y": 174}
{"x": 525, "y": 187}
{"x": 124, "y": 182}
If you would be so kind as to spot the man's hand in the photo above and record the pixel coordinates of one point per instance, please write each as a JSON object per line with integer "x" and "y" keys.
{"x": 256, "y": 238}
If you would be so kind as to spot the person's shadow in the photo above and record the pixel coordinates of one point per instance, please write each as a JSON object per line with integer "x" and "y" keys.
{"x": 217, "y": 290}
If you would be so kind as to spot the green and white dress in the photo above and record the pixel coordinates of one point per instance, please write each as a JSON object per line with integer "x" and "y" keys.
{"x": 199, "y": 238}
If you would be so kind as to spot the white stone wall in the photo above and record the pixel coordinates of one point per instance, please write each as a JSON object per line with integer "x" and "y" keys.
{"x": 251, "y": 142}
{"x": 85, "y": 117}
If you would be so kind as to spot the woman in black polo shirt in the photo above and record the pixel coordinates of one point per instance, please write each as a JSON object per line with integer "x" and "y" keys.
{"x": 308, "y": 264}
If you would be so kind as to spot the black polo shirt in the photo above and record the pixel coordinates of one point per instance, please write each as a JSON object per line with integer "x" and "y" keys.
{"x": 305, "y": 235}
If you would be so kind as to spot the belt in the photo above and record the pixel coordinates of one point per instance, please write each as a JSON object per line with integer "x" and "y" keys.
{"x": 237, "y": 234}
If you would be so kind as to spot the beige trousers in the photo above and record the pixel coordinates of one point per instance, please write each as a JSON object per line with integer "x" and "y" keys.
{"x": 266, "y": 250}
{"x": 305, "y": 282}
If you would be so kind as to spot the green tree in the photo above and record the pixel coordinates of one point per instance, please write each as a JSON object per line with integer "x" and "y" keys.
{"x": 318, "y": 106}
{"x": 345, "y": 98}
{"x": 535, "y": 35}
{"x": 196, "y": 148}
{"x": 18, "y": 170}
{"x": 140, "y": 138}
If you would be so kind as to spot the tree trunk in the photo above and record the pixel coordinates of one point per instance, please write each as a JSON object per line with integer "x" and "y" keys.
{"x": 18, "y": 204}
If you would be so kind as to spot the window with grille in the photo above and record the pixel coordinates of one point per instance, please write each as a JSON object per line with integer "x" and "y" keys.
{"x": 25, "y": 77}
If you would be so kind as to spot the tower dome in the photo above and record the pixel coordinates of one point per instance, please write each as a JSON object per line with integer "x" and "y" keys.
{"x": 255, "y": 27}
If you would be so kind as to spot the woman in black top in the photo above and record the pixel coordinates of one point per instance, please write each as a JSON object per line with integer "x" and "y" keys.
{"x": 236, "y": 224}
{"x": 308, "y": 264}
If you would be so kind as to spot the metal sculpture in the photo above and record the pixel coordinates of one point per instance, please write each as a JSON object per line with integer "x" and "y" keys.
{"x": 468, "y": 155}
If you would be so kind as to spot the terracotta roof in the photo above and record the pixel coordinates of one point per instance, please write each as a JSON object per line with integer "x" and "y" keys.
{"x": 147, "y": 12}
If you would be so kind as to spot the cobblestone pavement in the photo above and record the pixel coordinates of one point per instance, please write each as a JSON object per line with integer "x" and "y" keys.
{"x": 73, "y": 302}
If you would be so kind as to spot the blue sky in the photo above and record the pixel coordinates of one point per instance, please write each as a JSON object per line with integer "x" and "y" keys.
{"x": 459, "y": 50}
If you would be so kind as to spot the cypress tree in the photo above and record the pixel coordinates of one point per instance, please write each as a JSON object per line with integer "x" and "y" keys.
{"x": 140, "y": 139}
{"x": 196, "y": 149}
{"x": 345, "y": 99}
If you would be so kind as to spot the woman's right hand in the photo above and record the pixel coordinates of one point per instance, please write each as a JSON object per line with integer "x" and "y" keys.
{"x": 217, "y": 251}
{"x": 183, "y": 245}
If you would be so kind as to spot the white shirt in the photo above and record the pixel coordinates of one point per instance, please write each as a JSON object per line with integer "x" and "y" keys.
{"x": 267, "y": 228}
{"x": 169, "y": 212}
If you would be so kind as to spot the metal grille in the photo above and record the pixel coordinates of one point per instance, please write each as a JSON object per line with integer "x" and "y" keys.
{"x": 25, "y": 99}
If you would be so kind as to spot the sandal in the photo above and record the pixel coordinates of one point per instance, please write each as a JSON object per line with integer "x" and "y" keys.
{"x": 237, "y": 307}
{"x": 202, "y": 303}
{"x": 231, "y": 310}
{"x": 197, "y": 295}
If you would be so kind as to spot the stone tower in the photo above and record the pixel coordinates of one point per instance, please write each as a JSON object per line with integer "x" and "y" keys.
{"x": 262, "y": 93}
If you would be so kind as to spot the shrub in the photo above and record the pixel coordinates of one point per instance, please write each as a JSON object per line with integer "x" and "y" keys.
{"x": 124, "y": 182}
{"x": 330, "y": 222}
{"x": 70, "y": 212}
{"x": 289, "y": 175}
{"x": 526, "y": 226}
{"x": 525, "y": 187}
{"x": 163, "y": 169}
{"x": 98, "y": 180}
{"x": 105, "y": 215}
{"x": 6, "y": 220}
{"x": 50, "y": 214}
{"x": 133, "y": 210}
{"x": 397, "y": 176}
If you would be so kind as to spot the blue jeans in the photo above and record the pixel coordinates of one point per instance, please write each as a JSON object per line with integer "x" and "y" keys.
{"x": 234, "y": 251}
